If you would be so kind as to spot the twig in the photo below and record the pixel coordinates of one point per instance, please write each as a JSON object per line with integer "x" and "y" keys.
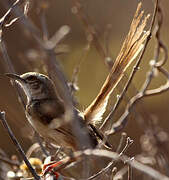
{"x": 123, "y": 138}
{"x": 129, "y": 172}
{"x": 162, "y": 88}
{"x": 160, "y": 45}
{"x": 114, "y": 171}
{"x": 101, "y": 171}
{"x": 119, "y": 175}
{"x": 76, "y": 71}
{"x": 32, "y": 149}
{"x": 157, "y": 65}
{"x": 128, "y": 143}
{"x": 133, "y": 163}
{"x": 28, "y": 24}
{"x": 107, "y": 34}
{"x": 17, "y": 145}
{"x": 120, "y": 124}
{"x": 5, "y": 18}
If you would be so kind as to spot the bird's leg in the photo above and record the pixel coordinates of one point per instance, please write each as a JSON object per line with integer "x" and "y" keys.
{"x": 54, "y": 166}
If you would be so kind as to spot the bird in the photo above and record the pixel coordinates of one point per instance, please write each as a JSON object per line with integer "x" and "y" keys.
{"x": 46, "y": 113}
{"x": 45, "y": 110}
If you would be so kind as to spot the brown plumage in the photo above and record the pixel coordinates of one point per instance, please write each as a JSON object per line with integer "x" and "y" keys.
{"x": 46, "y": 111}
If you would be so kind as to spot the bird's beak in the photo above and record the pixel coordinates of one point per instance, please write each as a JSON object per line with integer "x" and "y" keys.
{"x": 15, "y": 77}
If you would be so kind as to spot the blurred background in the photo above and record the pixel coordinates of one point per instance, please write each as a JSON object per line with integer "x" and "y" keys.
{"x": 111, "y": 19}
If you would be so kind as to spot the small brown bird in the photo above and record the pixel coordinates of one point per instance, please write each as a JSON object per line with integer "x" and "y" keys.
{"x": 46, "y": 111}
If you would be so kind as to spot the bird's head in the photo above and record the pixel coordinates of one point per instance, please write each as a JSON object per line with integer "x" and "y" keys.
{"x": 35, "y": 85}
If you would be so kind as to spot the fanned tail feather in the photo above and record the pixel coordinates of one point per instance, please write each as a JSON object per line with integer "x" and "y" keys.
{"x": 132, "y": 46}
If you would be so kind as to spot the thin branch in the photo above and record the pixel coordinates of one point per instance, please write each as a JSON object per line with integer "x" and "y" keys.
{"x": 160, "y": 45}
{"x": 115, "y": 156}
{"x": 24, "y": 20}
{"x": 120, "y": 124}
{"x": 161, "y": 89}
{"x": 122, "y": 140}
{"x": 17, "y": 145}
{"x": 157, "y": 65}
{"x": 119, "y": 175}
{"x": 129, "y": 172}
{"x": 128, "y": 143}
{"x": 4, "y": 20}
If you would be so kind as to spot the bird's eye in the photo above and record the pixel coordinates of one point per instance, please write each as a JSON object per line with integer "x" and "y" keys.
{"x": 31, "y": 78}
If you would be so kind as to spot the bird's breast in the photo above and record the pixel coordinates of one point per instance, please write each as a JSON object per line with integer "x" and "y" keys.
{"x": 45, "y": 111}
{"x": 47, "y": 118}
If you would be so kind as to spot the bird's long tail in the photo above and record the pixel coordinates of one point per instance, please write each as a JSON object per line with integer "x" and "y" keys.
{"x": 132, "y": 46}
